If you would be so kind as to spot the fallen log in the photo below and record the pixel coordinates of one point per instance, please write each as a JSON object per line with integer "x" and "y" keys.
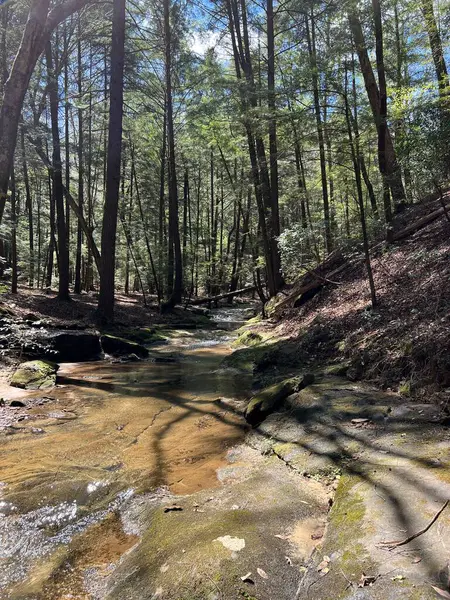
{"x": 419, "y": 224}
{"x": 211, "y": 299}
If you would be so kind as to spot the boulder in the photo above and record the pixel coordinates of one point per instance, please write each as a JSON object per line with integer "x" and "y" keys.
{"x": 117, "y": 346}
{"x": 76, "y": 346}
{"x": 63, "y": 346}
{"x": 35, "y": 375}
{"x": 267, "y": 400}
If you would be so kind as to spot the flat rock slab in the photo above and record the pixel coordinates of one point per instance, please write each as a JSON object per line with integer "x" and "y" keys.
{"x": 390, "y": 462}
{"x": 259, "y": 524}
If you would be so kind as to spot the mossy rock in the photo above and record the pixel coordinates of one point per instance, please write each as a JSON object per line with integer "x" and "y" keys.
{"x": 35, "y": 375}
{"x": 144, "y": 336}
{"x": 118, "y": 346}
{"x": 249, "y": 338}
{"x": 337, "y": 370}
{"x": 267, "y": 400}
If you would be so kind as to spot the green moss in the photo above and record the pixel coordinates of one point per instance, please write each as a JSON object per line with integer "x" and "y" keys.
{"x": 338, "y": 370}
{"x": 144, "y": 335}
{"x": 35, "y": 375}
{"x": 249, "y": 338}
{"x": 404, "y": 389}
{"x": 115, "y": 345}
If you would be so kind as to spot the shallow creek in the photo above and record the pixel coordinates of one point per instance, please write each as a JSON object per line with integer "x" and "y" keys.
{"x": 110, "y": 432}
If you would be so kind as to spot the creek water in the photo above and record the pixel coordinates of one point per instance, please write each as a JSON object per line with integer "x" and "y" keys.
{"x": 107, "y": 433}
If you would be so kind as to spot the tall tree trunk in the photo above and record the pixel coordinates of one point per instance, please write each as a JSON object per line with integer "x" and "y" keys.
{"x": 271, "y": 103}
{"x": 362, "y": 162}
{"x": 354, "y": 149}
{"x": 161, "y": 213}
{"x": 382, "y": 118}
{"x": 77, "y": 281}
{"x": 51, "y": 241}
{"x": 108, "y": 251}
{"x": 240, "y": 40}
{"x": 38, "y": 29}
{"x": 440, "y": 68}
{"x": 393, "y": 171}
{"x": 67, "y": 127}
{"x": 174, "y": 230}
{"x": 310, "y": 36}
{"x": 14, "y": 223}
{"x": 29, "y": 208}
{"x": 58, "y": 194}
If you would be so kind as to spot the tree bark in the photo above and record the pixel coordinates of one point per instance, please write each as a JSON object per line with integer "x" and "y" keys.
{"x": 174, "y": 230}
{"x": 108, "y": 251}
{"x": 310, "y": 36}
{"x": 38, "y": 29}
{"x": 29, "y": 208}
{"x": 392, "y": 168}
{"x": 57, "y": 188}
{"x": 77, "y": 282}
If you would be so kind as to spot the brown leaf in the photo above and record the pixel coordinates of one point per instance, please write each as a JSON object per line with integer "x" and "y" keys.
{"x": 262, "y": 573}
{"x": 441, "y": 593}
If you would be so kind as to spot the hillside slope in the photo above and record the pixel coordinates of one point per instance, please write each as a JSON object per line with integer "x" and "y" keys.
{"x": 403, "y": 344}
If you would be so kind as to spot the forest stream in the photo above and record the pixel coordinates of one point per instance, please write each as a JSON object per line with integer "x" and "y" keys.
{"x": 105, "y": 433}
{"x": 142, "y": 480}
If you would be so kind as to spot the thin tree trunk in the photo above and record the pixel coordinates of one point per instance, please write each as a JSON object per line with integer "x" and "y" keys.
{"x": 354, "y": 148}
{"x": 29, "y": 207}
{"x": 393, "y": 171}
{"x": 369, "y": 186}
{"x": 310, "y": 36}
{"x": 77, "y": 282}
{"x": 174, "y": 231}
{"x": 58, "y": 194}
{"x": 440, "y": 68}
{"x": 51, "y": 241}
{"x": 14, "y": 224}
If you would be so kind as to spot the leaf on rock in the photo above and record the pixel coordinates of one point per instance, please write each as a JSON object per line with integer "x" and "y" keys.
{"x": 262, "y": 573}
{"x": 441, "y": 593}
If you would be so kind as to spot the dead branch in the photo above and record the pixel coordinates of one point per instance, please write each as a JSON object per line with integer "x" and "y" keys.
{"x": 395, "y": 544}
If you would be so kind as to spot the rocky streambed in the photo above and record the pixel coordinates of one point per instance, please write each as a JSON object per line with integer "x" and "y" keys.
{"x": 144, "y": 479}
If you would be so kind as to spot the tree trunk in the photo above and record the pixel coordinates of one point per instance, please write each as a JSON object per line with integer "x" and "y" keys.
{"x": 354, "y": 149}
{"x": 77, "y": 282}
{"x": 108, "y": 251}
{"x": 440, "y": 68}
{"x": 393, "y": 172}
{"x": 58, "y": 194}
{"x": 29, "y": 208}
{"x": 14, "y": 220}
{"x": 310, "y": 36}
{"x": 174, "y": 231}
{"x": 37, "y": 32}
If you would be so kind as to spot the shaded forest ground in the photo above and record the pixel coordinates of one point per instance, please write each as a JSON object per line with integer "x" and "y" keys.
{"x": 34, "y": 304}
{"x": 403, "y": 345}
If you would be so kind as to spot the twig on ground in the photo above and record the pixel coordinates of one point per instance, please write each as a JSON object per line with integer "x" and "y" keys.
{"x": 396, "y": 544}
